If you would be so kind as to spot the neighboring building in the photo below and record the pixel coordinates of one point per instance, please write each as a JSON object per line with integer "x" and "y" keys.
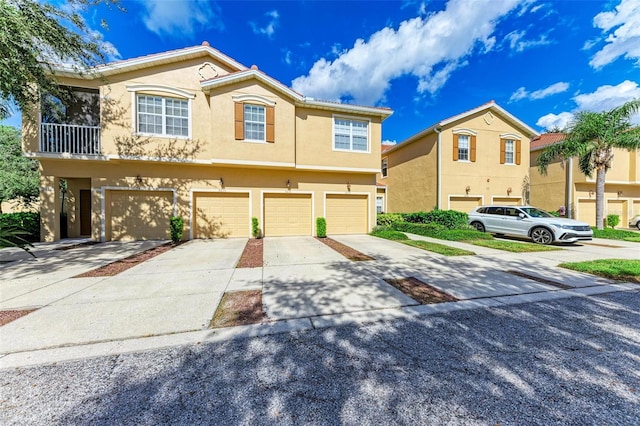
{"x": 196, "y": 134}
{"x": 478, "y": 157}
{"x": 565, "y": 185}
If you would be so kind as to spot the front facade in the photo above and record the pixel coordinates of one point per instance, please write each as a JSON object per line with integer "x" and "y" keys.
{"x": 565, "y": 185}
{"x": 479, "y": 157}
{"x": 195, "y": 134}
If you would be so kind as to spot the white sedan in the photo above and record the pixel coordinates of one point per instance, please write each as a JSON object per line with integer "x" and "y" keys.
{"x": 530, "y": 222}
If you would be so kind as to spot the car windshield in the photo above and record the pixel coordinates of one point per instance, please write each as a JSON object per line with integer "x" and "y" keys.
{"x": 533, "y": 212}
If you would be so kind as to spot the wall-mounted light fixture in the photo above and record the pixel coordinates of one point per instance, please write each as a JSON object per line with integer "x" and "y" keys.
{"x": 139, "y": 179}
{"x": 509, "y": 191}
{"x": 221, "y": 181}
{"x": 467, "y": 189}
{"x": 288, "y": 184}
{"x": 348, "y": 186}
{"x": 619, "y": 193}
{"x": 591, "y": 193}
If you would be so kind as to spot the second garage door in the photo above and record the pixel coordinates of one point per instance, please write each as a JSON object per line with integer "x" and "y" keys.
{"x": 220, "y": 215}
{"x": 287, "y": 214}
{"x": 139, "y": 215}
{"x": 347, "y": 214}
{"x": 464, "y": 204}
{"x": 587, "y": 211}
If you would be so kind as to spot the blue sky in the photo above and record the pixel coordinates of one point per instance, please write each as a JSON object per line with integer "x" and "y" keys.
{"x": 427, "y": 60}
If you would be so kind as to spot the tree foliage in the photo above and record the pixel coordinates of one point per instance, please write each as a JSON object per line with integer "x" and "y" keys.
{"x": 18, "y": 174}
{"x": 591, "y": 138}
{"x": 35, "y": 37}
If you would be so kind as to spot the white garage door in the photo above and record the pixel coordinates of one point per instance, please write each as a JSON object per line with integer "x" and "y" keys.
{"x": 221, "y": 215}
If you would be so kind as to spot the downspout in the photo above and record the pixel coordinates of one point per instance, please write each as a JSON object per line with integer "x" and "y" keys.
{"x": 570, "y": 188}
{"x": 439, "y": 170}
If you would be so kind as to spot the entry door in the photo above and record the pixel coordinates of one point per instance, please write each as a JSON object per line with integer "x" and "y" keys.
{"x": 85, "y": 212}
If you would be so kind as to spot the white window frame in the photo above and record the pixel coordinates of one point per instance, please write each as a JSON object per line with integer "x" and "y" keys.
{"x": 263, "y": 123}
{"x": 384, "y": 167}
{"x": 381, "y": 198}
{"x": 351, "y": 120}
{"x": 468, "y": 148}
{"x": 171, "y": 93}
{"x": 511, "y": 152}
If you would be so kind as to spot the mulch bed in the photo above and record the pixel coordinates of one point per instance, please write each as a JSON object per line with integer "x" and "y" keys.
{"x": 541, "y": 280}
{"x": 239, "y": 308}
{"x": 118, "y": 266}
{"x": 74, "y": 246}
{"x": 8, "y": 316}
{"x": 346, "y": 251}
{"x": 420, "y": 291}
{"x": 252, "y": 254}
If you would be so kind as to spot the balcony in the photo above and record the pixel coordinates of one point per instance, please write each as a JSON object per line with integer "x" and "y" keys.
{"x": 70, "y": 139}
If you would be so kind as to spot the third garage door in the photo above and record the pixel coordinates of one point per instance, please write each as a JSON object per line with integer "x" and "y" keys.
{"x": 287, "y": 214}
{"x": 347, "y": 214}
{"x": 464, "y": 204}
{"x": 221, "y": 215}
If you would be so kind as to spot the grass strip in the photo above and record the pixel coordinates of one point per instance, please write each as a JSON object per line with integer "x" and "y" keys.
{"x": 438, "y": 248}
{"x": 617, "y": 269}
{"x": 616, "y": 234}
{"x": 512, "y": 246}
{"x": 239, "y": 308}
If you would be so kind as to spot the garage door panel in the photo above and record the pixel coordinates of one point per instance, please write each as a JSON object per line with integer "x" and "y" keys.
{"x": 221, "y": 215}
{"x": 140, "y": 215}
{"x": 587, "y": 211}
{"x": 464, "y": 204}
{"x": 347, "y": 214}
{"x": 619, "y": 207}
{"x": 287, "y": 214}
{"x": 506, "y": 201}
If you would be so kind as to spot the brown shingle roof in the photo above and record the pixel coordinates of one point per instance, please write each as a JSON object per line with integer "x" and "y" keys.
{"x": 387, "y": 147}
{"x": 545, "y": 139}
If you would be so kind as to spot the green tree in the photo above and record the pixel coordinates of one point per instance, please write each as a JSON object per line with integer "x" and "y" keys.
{"x": 591, "y": 138}
{"x": 35, "y": 36}
{"x": 18, "y": 174}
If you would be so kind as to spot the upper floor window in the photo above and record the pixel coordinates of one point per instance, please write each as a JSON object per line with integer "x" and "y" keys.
{"x": 254, "y": 122}
{"x": 510, "y": 151}
{"x": 464, "y": 147}
{"x": 162, "y": 116}
{"x": 384, "y": 167}
{"x": 350, "y": 135}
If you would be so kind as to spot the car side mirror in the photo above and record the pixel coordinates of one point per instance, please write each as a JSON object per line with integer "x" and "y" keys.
{"x": 521, "y": 215}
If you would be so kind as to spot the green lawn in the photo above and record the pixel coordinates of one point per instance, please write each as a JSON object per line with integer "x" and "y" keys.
{"x": 512, "y": 246}
{"x": 618, "y": 269}
{"x": 438, "y": 248}
{"x": 389, "y": 234}
{"x": 616, "y": 234}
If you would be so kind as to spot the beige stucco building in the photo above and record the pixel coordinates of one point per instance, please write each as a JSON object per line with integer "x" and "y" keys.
{"x": 565, "y": 185}
{"x": 475, "y": 158}
{"x": 194, "y": 133}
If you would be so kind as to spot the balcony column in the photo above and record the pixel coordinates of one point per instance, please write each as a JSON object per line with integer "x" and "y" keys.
{"x": 49, "y": 208}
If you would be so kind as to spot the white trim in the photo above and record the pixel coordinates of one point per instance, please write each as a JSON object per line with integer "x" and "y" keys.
{"x": 253, "y": 98}
{"x": 384, "y": 202}
{"x": 289, "y": 192}
{"x": 368, "y": 194}
{"x": 252, "y": 163}
{"x": 116, "y": 157}
{"x": 508, "y": 197}
{"x": 470, "y": 196}
{"x": 160, "y": 88}
{"x": 103, "y": 214}
{"x": 465, "y": 131}
{"x": 489, "y": 106}
{"x": 511, "y": 136}
{"x": 192, "y": 191}
{"x": 134, "y": 118}
{"x": 336, "y": 169}
{"x": 350, "y": 118}
{"x": 310, "y": 102}
{"x": 66, "y": 156}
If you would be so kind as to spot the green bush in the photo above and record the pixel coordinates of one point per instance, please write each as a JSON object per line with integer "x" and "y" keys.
{"x": 387, "y": 219}
{"x": 463, "y": 235}
{"x": 441, "y": 232}
{"x": 176, "y": 228}
{"x": 29, "y": 222}
{"x": 387, "y": 233}
{"x": 613, "y": 220}
{"x": 255, "y": 228}
{"x": 452, "y": 219}
{"x": 555, "y": 213}
{"x": 424, "y": 229}
{"x": 321, "y": 227}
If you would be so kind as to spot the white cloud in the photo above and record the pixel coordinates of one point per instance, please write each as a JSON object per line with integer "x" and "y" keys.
{"x": 180, "y": 18}
{"x": 269, "y": 28}
{"x": 429, "y": 48}
{"x": 625, "y": 39}
{"x": 518, "y": 43}
{"x": 389, "y": 142}
{"x": 554, "y": 89}
{"x": 603, "y": 98}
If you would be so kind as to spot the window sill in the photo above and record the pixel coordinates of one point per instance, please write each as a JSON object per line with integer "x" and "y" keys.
{"x": 154, "y": 135}
{"x": 253, "y": 141}
{"x": 351, "y": 150}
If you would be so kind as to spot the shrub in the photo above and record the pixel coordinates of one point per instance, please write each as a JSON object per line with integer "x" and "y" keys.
{"x": 387, "y": 219}
{"x": 416, "y": 217}
{"x": 452, "y": 219}
{"x": 424, "y": 229}
{"x": 387, "y": 233}
{"x": 321, "y": 227}
{"x": 556, "y": 213}
{"x": 435, "y": 230}
{"x": 255, "y": 228}
{"x": 613, "y": 220}
{"x": 29, "y": 222}
{"x": 176, "y": 228}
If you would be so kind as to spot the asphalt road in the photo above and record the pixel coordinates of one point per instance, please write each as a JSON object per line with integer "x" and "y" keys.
{"x": 569, "y": 362}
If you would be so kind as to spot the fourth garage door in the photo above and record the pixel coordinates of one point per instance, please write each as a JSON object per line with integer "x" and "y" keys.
{"x": 287, "y": 214}
{"x": 346, "y": 214}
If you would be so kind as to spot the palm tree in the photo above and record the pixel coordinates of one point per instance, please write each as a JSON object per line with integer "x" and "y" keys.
{"x": 591, "y": 137}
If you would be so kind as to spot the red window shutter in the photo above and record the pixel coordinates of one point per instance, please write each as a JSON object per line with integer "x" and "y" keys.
{"x": 472, "y": 149}
{"x": 239, "y": 120}
{"x": 503, "y": 148}
{"x": 455, "y": 147}
{"x": 270, "y": 134}
{"x": 518, "y": 151}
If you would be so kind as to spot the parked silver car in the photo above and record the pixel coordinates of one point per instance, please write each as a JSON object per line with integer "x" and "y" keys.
{"x": 635, "y": 222}
{"x": 527, "y": 221}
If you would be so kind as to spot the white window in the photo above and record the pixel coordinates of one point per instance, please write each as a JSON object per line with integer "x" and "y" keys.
{"x": 509, "y": 147}
{"x": 379, "y": 204}
{"x": 163, "y": 116}
{"x": 463, "y": 148}
{"x": 384, "y": 167}
{"x": 351, "y": 135}
{"x": 254, "y": 122}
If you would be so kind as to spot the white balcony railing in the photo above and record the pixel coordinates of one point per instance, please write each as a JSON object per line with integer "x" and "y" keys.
{"x": 69, "y": 138}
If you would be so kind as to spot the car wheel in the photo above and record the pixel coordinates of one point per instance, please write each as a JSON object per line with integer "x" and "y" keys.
{"x": 478, "y": 226}
{"x": 638, "y": 226}
{"x": 541, "y": 236}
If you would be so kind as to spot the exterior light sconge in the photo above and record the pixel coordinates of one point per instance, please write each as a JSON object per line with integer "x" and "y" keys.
{"x": 591, "y": 193}
{"x": 619, "y": 193}
{"x": 348, "y": 186}
{"x": 221, "y": 182}
{"x": 288, "y": 184}
{"x": 467, "y": 189}
{"x": 139, "y": 179}
{"x": 509, "y": 191}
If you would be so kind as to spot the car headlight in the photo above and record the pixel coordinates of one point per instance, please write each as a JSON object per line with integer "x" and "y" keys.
{"x": 558, "y": 225}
